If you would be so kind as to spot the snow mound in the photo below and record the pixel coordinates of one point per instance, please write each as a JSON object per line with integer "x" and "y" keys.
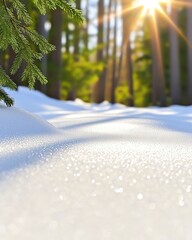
{"x": 36, "y": 102}
{"x": 16, "y": 122}
{"x": 48, "y": 108}
{"x": 122, "y": 169}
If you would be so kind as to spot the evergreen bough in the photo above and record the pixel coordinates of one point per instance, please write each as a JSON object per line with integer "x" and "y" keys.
{"x": 16, "y": 32}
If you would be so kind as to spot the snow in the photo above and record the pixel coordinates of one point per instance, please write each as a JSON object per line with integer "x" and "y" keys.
{"x": 78, "y": 171}
{"x": 17, "y": 122}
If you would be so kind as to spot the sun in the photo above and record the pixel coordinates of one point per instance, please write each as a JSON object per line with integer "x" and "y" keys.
{"x": 150, "y": 5}
{"x": 163, "y": 8}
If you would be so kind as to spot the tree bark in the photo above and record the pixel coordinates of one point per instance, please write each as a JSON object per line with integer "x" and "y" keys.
{"x": 43, "y": 64}
{"x": 174, "y": 61}
{"x": 55, "y": 58}
{"x": 107, "y": 48}
{"x": 114, "y": 78}
{"x": 100, "y": 87}
{"x": 130, "y": 74}
{"x": 126, "y": 59}
{"x": 86, "y": 34}
{"x": 189, "y": 61}
{"x": 158, "y": 80}
{"x": 77, "y": 31}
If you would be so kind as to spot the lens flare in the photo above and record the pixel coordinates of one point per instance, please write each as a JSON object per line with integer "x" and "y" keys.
{"x": 149, "y": 5}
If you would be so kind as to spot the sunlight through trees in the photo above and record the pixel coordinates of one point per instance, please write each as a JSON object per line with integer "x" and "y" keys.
{"x": 139, "y": 47}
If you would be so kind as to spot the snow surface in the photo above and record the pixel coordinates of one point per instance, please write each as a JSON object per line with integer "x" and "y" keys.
{"x": 77, "y": 171}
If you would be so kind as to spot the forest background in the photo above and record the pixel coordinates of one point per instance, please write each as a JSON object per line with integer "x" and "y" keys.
{"x": 118, "y": 54}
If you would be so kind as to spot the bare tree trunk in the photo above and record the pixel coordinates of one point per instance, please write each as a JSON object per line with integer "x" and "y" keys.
{"x": 126, "y": 61}
{"x": 154, "y": 74}
{"x": 86, "y": 34}
{"x": 189, "y": 61}
{"x": 100, "y": 88}
{"x": 55, "y": 58}
{"x": 72, "y": 93}
{"x": 43, "y": 64}
{"x": 77, "y": 31}
{"x": 108, "y": 30}
{"x": 158, "y": 80}
{"x": 67, "y": 35}
{"x": 130, "y": 74}
{"x": 174, "y": 61}
{"x": 120, "y": 65}
{"x": 114, "y": 79}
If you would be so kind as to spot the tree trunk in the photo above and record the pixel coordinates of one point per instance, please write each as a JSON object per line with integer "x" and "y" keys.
{"x": 72, "y": 94}
{"x": 86, "y": 33}
{"x": 189, "y": 62}
{"x": 107, "y": 48}
{"x": 100, "y": 87}
{"x": 174, "y": 61}
{"x": 43, "y": 64}
{"x": 114, "y": 79}
{"x": 126, "y": 61}
{"x": 67, "y": 34}
{"x": 55, "y": 58}
{"x": 77, "y": 33}
{"x": 158, "y": 80}
{"x": 130, "y": 74}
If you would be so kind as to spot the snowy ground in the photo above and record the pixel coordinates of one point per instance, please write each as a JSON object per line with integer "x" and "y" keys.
{"x": 94, "y": 172}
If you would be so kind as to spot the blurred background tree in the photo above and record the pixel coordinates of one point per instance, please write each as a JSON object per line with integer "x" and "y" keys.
{"x": 135, "y": 52}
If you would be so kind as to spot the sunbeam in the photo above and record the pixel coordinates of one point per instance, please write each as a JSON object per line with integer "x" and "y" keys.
{"x": 149, "y": 7}
{"x": 176, "y": 3}
{"x": 173, "y": 25}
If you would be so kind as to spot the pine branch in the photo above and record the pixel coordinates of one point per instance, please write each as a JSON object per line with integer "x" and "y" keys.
{"x": 15, "y": 32}
{"x": 6, "y": 81}
{"x": 5, "y": 98}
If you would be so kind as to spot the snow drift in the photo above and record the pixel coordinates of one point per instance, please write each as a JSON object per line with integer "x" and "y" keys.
{"x": 16, "y": 122}
{"x": 99, "y": 172}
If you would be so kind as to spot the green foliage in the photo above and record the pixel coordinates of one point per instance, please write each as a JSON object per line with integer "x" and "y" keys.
{"x": 16, "y": 32}
{"x": 80, "y": 75}
{"x": 6, "y": 81}
{"x": 142, "y": 88}
{"x": 5, "y": 97}
{"x": 44, "y": 5}
{"x": 142, "y": 79}
{"x": 142, "y": 65}
{"x": 122, "y": 93}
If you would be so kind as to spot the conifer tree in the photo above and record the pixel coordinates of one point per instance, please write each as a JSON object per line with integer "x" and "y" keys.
{"x": 16, "y": 32}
